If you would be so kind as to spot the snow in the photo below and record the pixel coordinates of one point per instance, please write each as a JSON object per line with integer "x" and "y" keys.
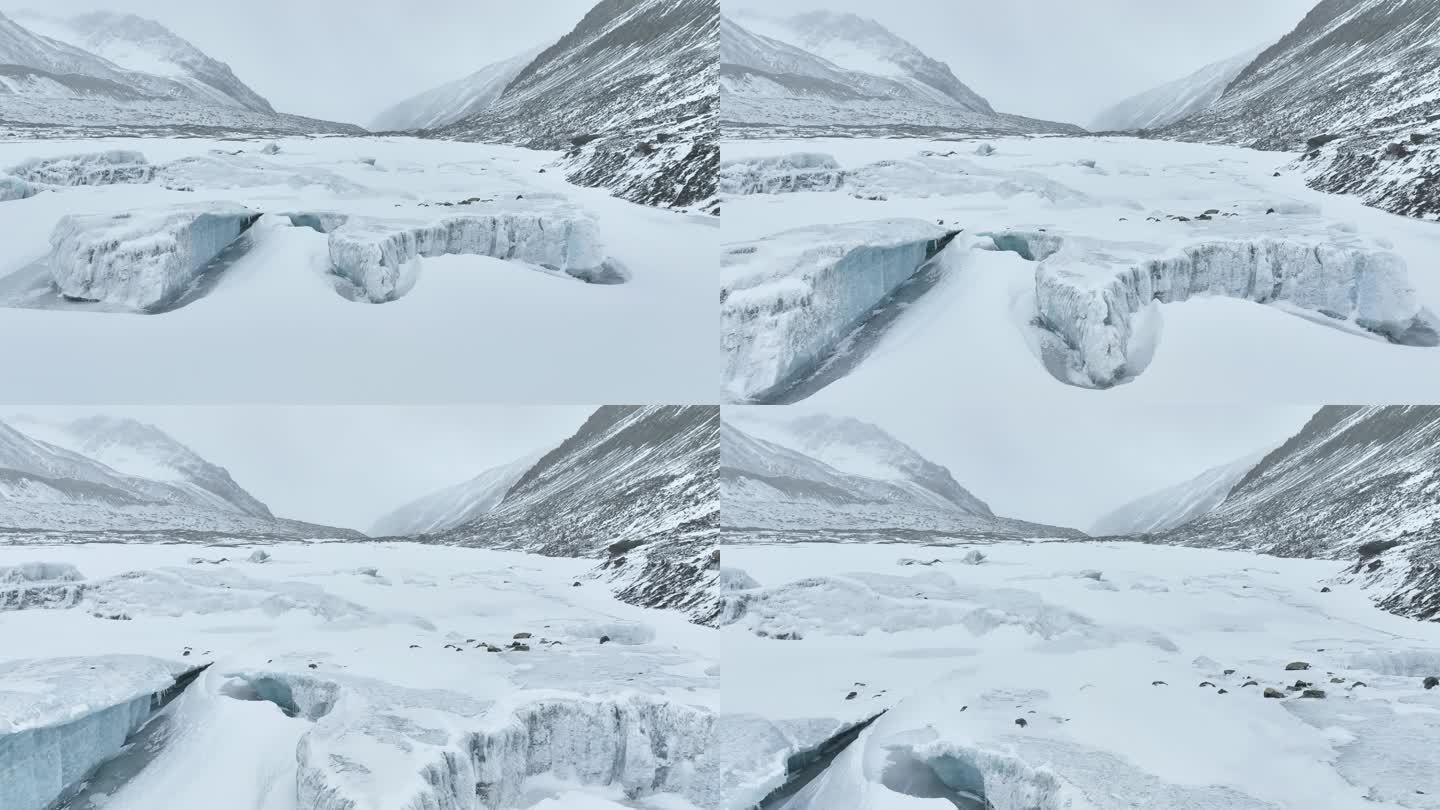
{"x": 251, "y": 328}
{"x": 788, "y": 300}
{"x": 1075, "y": 657}
{"x": 316, "y": 698}
{"x": 973, "y": 329}
{"x": 451, "y": 102}
{"x": 141, "y": 260}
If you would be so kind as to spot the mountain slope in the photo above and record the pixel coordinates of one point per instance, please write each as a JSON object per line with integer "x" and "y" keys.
{"x": 775, "y": 77}
{"x": 1365, "y": 73}
{"x": 1175, "y": 100}
{"x": 453, "y": 506}
{"x": 48, "y": 84}
{"x": 143, "y": 45}
{"x": 629, "y": 93}
{"x": 455, "y": 100}
{"x": 770, "y": 487}
{"x": 1175, "y": 506}
{"x": 46, "y": 489}
{"x": 635, "y": 488}
{"x": 1354, "y": 484}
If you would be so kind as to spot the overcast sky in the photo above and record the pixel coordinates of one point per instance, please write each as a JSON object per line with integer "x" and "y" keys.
{"x": 1068, "y": 466}
{"x": 346, "y": 60}
{"x": 1067, "y": 60}
{"x": 348, "y": 465}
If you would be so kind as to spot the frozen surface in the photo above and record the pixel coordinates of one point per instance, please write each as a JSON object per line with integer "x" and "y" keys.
{"x": 331, "y": 687}
{"x": 976, "y": 331}
{"x": 789, "y": 299}
{"x": 142, "y": 259}
{"x": 472, "y": 327}
{"x": 1115, "y": 657}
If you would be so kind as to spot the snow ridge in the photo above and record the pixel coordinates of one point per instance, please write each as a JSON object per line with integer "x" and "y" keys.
{"x": 1175, "y": 100}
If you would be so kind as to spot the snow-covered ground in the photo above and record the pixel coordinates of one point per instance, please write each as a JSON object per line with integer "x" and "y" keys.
{"x": 1351, "y": 285}
{"x": 360, "y": 676}
{"x": 272, "y": 318}
{"x": 1127, "y": 665}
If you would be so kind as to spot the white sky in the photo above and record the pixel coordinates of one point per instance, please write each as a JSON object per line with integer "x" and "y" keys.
{"x": 347, "y": 465}
{"x": 1068, "y": 466}
{"x": 346, "y": 60}
{"x": 1067, "y": 60}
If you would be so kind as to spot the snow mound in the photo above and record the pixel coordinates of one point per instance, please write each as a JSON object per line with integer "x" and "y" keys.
{"x": 789, "y": 300}
{"x": 935, "y": 174}
{"x": 381, "y": 257}
{"x": 802, "y": 171}
{"x": 142, "y": 259}
{"x": 184, "y": 592}
{"x": 91, "y": 169}
{"x": 61, "y": 717}
{"x": 1093, "y": 294}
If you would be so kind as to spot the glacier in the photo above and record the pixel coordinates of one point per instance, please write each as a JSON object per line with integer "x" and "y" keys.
{"x": 801, "y": 171}
{"x": 143, "y": 259}
{"x": 1092, "y": 293}
{"x": 381, "y": 257}
{"x": 789, "y": 300}
{"x": 61, "y": 717}
{"x": 40, "y": 585}
{"x": 88, "y": 169}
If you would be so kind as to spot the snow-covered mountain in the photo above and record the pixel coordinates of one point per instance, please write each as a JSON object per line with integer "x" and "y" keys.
{"x": 1355, "y": 483}
{"x": 452, "y": 506}
{"x": 455, "y": 100}
{"x": 1175, "y": 506}
{"x": 635, "y": 487}
{"x": 629, "y": 93}
{"x": 118, "y": 70}
{"x": 1175, "y": 100}
{"x": 47, "y": 488}
{"x": 1356, "y": 85}
{"x": 137, "y": 449}
{"x": 145, "y": 46}
{"x": 830, "y": 72}
{"x": 769, "y": 487}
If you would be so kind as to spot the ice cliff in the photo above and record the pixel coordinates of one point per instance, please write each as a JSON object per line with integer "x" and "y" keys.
{"x": 381, "y": 257}
{"x": 1089, "y": 292}
{"x": 376, "y": 745}
{"x": 802, "y": 171}
{"x": 788, "y": 301}
{"x": 68, "y": 715}
{"x": 40, "y": 585}
{"x": 90, "y": 169}
{"x": 142, "y": 259}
